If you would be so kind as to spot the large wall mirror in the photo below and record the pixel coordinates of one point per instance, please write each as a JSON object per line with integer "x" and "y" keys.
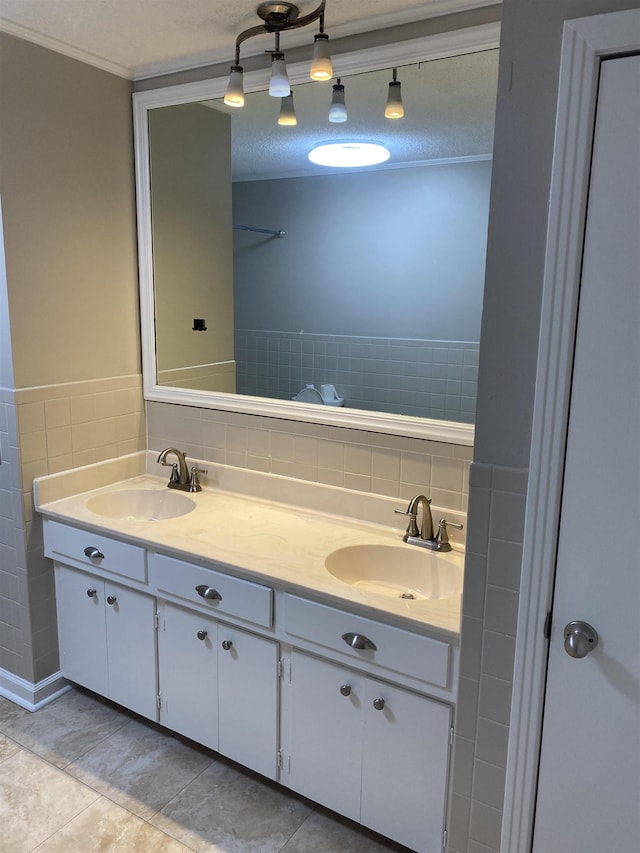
{"x": 344, "y": 296}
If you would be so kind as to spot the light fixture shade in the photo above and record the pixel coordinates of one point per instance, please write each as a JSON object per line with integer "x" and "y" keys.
{"x": 349, "y": 154}
{"x": 234, "y": 96}
{"x": 338, "y": 108}
{"x": 321, "y": 68}
{"x": 394, "y": 107}
{"x": 287, "y": 115}
{"x": 279, "y": 84}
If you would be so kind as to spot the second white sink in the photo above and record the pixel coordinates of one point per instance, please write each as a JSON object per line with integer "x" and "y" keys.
{"x": 398, "y": 571}
{"x": 140, "y": 505}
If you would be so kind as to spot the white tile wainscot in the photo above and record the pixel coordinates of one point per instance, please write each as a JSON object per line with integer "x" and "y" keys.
{"x": 224, "y": 625}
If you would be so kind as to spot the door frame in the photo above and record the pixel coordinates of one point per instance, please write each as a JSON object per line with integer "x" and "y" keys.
{"x": 586, "y": 42}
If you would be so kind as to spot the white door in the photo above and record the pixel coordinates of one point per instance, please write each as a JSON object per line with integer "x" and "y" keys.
{"x": 589, "y": 779}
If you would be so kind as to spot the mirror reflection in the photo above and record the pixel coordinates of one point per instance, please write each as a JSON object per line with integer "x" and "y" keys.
{"x": 278, "y": 278}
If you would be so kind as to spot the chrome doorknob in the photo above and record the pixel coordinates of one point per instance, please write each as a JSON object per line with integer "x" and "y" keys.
{"x": 579, "y": 639}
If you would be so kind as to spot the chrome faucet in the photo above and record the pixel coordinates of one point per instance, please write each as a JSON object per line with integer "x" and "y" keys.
{"x": 179, "y": 471}
{"x": 425, "y": 537}
{"x": 180, "y": 477}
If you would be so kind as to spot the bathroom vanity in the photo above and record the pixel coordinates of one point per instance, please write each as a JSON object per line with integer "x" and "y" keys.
{"x": 224, "y": 625}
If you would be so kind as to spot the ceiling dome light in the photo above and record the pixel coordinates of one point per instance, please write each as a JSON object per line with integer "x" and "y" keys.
{"x": 349, "y": 154}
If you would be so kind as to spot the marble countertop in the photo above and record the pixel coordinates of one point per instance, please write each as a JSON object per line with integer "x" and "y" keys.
{"x": 279, "y": 544}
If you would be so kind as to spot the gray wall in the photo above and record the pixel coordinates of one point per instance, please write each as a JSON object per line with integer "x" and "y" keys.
{"x": 388, "y": 253}
{"x": 523, "y": 150}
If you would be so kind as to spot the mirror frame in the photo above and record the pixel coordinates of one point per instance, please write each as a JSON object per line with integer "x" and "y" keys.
{"x": 469, "y": 40}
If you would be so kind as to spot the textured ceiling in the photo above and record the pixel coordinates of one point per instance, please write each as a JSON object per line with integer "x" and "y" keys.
{"x": 124, "y": 35}
{"x": 449, "y": 113}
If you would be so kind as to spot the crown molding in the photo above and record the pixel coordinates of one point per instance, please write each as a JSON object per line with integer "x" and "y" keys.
{"x": 58, "y": 46}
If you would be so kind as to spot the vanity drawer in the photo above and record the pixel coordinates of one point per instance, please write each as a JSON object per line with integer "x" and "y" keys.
{"x": 396, "y": 649}
{"x": 233, "y": 596}
{"x": 86, "y": 548}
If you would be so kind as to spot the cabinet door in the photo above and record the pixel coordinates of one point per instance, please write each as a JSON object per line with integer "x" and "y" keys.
{"x": 327, "y": 704}
{"x": 82, "y": 634}
{"x": 188, "y": 673}
{"x": 248, "y": 699}
{"x": 131, "y": 649}
{"x": 405, "y": 766}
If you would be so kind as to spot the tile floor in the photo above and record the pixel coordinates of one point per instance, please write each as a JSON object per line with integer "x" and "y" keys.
{"x": 81, "y": 776}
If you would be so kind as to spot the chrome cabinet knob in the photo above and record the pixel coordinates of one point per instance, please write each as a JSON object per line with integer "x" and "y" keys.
{"x": 378, "y": 704}
{"x": 579, "y": 639}
{"x": 346, "y": 690}
{"x": 358, "y": 641}
{"x": 208, "y": 592}
{"x": 93, "y": 553}
{"x": 201, "y": 635}
{"x": 92, "y": 593}
{"x": 111, "y": 599}
{"x": 226, "y": 645}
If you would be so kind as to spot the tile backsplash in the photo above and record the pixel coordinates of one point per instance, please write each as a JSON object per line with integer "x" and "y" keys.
{"x": 393, "y": 466}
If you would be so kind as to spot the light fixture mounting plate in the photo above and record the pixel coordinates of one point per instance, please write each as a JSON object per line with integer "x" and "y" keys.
{"x": 278, "y": 15}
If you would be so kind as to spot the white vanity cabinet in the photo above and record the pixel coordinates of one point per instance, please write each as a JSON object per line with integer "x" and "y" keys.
{"x": 348, "y": 710}
{"x": 106, "y": 634}
{"x": 369, "y": 749}
{"x": 218, "y": 685}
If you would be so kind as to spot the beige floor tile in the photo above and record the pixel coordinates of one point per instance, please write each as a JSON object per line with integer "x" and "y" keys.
{"x": 229, "y": 810}
{"x": 324, "y": 831}
{"x": 36, "y": 800}
{"x": 8, "y": 748}
{"x": 10, "y": 713}
{"x": 64, "y": 729}
{"x": 140, "y": 767}
{"x": 107, "y": 828}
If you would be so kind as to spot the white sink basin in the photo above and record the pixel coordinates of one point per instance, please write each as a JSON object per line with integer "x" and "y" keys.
{"x": 140, "y": 505}
{"x": 398, "y": 571}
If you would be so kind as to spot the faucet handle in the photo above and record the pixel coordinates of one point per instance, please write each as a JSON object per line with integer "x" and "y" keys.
{"x": 194, "y": 482}
{"x": 412, "y": 529}
{"x": 174, "y": 471}
{"x": 443, "y": 537}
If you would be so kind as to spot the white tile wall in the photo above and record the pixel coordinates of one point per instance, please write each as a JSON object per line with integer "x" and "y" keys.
{"x": 42, "y": 431}
{"x": 393, "y": 466}
{"x": 489, "y": 623}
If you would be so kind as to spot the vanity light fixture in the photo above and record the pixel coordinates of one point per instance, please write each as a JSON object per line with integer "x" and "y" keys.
{"x": 287, "y": 112}
{"x": 349, "y": 154}
{"x": 279, "y": 83}
{"x": 278, "y": 17}
{"x": 338, "y": 108}
{"x": 394, "y": 107}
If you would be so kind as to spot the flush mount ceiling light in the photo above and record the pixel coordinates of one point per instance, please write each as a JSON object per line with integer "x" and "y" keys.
{"x": 349, "y": 154}
{"x": 277, "y": 18}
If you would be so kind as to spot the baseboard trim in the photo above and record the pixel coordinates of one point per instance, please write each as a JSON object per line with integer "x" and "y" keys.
{"x": 32, "y": 696}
